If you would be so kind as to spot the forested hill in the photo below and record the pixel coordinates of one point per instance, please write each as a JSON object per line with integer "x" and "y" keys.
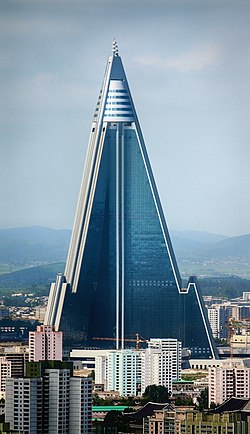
{"x": 39, "y": 279}
{"x": 199, "y": 253}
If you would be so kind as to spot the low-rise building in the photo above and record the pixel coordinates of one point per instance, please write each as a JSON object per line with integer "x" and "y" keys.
{"x": 240, "y": 341}
{"x": 232, "y": 417}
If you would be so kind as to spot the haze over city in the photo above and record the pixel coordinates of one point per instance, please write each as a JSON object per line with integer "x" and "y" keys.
{"x": 187, "y": 63}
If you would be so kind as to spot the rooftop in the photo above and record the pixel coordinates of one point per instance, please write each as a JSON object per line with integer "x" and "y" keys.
{"x": 233, "y": 405}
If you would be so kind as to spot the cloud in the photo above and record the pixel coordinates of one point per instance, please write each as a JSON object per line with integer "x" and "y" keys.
{"x": 45, "y": 90}
{"x": 194, "y": 60}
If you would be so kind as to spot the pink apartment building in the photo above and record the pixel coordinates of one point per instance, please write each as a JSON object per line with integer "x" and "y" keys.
{"x": 45, "y": 344}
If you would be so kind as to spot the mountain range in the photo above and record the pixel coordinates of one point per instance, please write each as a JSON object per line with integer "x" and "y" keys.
{"x": 200, "y": 253}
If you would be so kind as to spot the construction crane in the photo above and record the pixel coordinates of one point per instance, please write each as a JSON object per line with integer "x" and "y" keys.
{"x": 231, "y": 330}
{"x": 138, "y": 340}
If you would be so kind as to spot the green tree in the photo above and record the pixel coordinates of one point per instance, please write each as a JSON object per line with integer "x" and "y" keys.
{"x": 221, "y": 342}
{"x": 155, "y": 393}
{"x": 183, "y": 400}
{"x": 202, "y": 400}
{"x": 92, "y": 375}
{"x": 116, "y": 421}
{"x": 97, "y": 400}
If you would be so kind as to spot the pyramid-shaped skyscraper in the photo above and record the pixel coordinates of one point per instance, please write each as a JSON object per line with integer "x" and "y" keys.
{"x": 121, "y": 276}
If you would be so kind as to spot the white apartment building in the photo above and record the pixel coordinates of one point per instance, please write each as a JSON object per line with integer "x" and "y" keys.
{"x": 129, "y": 372}
{"x": 122, "y": 367}
{"x": 161, "y": 363}
{"x": 157, "y": 368}
{"x": 67, "y": 401}
{"x": 218, "y": 315}
{"x": 55, "y": 403}
{"x": 23, "y": 404}
{"x": 80, "y": 397}
{"x": 214, "y": 319}
{"x": 173, "y": 346}
{"x": 119, "y": 371}
{"x": 229, "y": 380}
{"x": 45, "y": 344}
{"x": 101, "y": 370}
{"x": 5, "y": 372}
{"x": 56, "y": 400}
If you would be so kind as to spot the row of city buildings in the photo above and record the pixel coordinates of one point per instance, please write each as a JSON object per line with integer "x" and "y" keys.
{"x": 129, "y": 371}
{"x": 41, "y": 393}
{"x": 44, "y": 394}
{"x": 233, "y": 417}
{"x": 49, "y": 399}
{"x": 221, "y": 313}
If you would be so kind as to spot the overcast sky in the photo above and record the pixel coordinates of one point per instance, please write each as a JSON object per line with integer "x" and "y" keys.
{"x": 187, "y": 63}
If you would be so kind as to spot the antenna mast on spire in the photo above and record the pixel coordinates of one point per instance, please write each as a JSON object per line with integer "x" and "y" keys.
{"x": 115, "y": 48}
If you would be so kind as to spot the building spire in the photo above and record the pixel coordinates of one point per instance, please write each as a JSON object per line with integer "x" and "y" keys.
{"x": 115, "y": 48}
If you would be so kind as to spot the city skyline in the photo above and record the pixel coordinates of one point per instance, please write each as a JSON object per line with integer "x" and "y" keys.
{"x": 198, "y": 54}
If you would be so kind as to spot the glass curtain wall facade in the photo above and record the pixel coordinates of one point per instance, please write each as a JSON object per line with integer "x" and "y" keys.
{"x": 121, "y": 275}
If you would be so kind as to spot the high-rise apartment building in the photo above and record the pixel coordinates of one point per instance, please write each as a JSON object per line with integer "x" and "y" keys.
{"x": 56, "y": 393}
{"x": 161, "y": 363}
{"x": 172, "y": 346}
{"x": 219, "y": 315}
{"x": 214, "y": 319}
{"x": 5, "y": 372}
{"x": 156, "y": 368}
{"x": 101, "y": 370}
{"x": 45, "y": 344}
{"x": 121, "y": 275}
{"x": 17, "y": 360}
{"x": 240, "y": 312}
{"x": 23, "y": 404}
{"x": 122, "y": 369}
{"x": 49, "y": 400}
{"x": 229, "y": 380}
{"x": 129, "y": 372}
{"x": 80, "y": 398}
